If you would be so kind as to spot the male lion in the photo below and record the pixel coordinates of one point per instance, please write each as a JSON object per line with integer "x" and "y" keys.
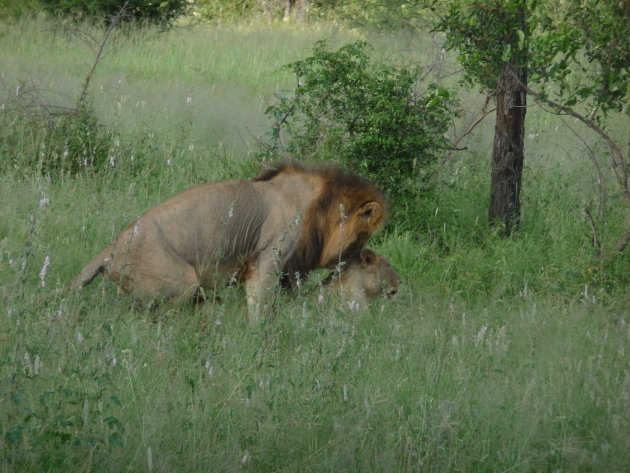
{"x": 365, "y": 276}
{"x": 285, "y": 223}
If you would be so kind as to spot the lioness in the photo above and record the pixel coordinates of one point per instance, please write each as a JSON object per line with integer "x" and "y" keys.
{"x": 283, "y": 224}
{"x": 365, "y": 276}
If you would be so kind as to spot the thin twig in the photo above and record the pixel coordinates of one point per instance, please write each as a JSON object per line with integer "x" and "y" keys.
{"x": 600, "y": 174}
{"x": 484, "y": 112}
{"x": 595, "y": 240}
{"x": 101, "y": 48}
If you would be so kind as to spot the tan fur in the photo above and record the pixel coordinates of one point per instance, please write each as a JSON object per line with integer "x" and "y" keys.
{"x": 364, "y": 277}
{"x": 288, "y": 221}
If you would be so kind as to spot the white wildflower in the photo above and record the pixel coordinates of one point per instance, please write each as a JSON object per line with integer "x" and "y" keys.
{"x": 246, "y": 459}
{"x": 477, "y": 339}
{"x": 149, "y": 459}
{"x": 31, "y": 368}
{"x": 189, "y": 100}
{"x": 320, "y": 299}
{"x": 111, "y": 359}
{"x": 112, "y": 161}
{"x": 44, "y": 201}
{"x": 80, "y": 338}
{"x": 209, "y": 368}
{"x": 342, "y": 213}
{"x": 191, "y": 147}
{"x": 354, "y": 305}
{"x": 169, "y": 162}
{"x": 44, "y": 270}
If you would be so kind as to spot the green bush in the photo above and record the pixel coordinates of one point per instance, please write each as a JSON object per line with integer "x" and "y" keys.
{"x": 367, "y": 116}
{"x": 14, "y": 9}
{"x": 161, "y": 12}
{"x": 38, "y": 137}
{"x": 221, "y": 10}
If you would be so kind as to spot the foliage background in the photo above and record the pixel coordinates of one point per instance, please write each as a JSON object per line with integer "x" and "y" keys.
{"x": 499, "y": 354}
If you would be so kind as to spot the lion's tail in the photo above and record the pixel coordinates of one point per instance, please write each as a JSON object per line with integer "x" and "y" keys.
{"x": 95, "y": 267}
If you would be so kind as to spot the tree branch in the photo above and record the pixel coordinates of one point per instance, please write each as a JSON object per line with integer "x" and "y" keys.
{"x": 620, "y": 167}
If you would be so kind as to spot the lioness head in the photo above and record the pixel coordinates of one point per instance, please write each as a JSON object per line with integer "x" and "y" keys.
{"x": 366, "y": 276}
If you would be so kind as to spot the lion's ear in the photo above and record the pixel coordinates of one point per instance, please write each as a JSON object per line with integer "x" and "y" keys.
{"x": 372, "y": 215}
{"x": 368, "y": 257}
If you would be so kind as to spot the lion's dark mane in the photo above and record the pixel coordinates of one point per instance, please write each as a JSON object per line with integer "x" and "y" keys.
{"x": 340, "y": 187}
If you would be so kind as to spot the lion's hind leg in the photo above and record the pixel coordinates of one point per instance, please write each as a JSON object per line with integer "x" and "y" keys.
{"x": 177, "y": 285}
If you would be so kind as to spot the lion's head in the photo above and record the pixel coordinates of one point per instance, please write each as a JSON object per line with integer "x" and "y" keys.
{"x": 343, "y": 215}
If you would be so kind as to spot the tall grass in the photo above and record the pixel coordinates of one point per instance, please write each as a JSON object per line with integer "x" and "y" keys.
{"x": 498, "y": 355}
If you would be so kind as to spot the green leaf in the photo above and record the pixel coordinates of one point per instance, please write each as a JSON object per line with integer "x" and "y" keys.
{"x": 521, "y": 39}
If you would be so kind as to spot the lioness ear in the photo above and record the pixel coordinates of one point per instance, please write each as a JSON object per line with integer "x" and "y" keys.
{"x": 372, "y": 213}
{"x": 368, "y": 257}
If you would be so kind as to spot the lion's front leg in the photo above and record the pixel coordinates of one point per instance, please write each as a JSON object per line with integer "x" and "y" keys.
{"x": 259, "y": 288}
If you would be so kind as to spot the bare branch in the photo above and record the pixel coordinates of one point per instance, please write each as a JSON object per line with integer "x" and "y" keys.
{"x": 595, "y": 240}
{"x": 116, "y": 19}
{"x": 620, "y": 165}
{"x": 600, "y": 174}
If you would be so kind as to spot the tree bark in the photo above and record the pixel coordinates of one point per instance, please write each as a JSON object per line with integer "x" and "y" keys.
{"x": 507, "y": 153}
{"x": 295, "y": 9}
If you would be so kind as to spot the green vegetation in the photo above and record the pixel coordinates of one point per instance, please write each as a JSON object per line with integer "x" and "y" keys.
{"x": 576, "y": 50}
{"x": 500, "y": 354}
{"x": 370, "y": 117}
{"x": 163, "y": 12}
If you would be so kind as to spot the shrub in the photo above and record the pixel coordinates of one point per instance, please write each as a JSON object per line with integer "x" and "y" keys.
{"x": 14, "y": 9}
{"x": 366, "y": 116}
{"x": 161, "y": 12}
{"x": 37, "y": 136}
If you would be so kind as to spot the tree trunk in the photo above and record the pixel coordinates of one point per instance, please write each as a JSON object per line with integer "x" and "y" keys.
{"x": 295, "y": 9}
{"x": 507, "y": 153}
